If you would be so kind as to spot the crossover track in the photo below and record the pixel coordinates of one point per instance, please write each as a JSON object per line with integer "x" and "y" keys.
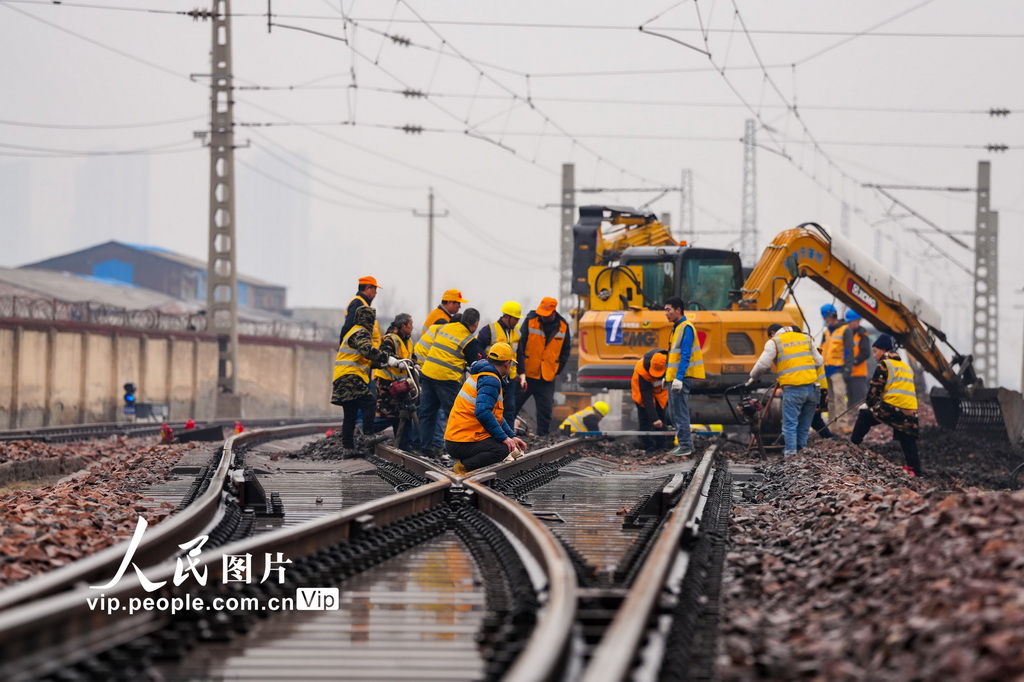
{"x": 492, "y": 575}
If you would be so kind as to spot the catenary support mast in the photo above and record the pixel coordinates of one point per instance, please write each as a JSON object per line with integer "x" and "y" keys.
{"x": 222, "y": 285}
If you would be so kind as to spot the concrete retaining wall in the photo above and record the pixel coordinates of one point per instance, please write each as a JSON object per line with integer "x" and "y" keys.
{"x": 68, "y": 373}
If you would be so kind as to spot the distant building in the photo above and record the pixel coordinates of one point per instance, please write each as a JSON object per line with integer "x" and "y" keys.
{"x": 161, "y": 270}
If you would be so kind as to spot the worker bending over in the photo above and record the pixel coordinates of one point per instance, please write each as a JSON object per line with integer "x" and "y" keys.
{"x": 892, "y": 400}
{"x": 351, "y": 390}
{"x": 685, "y": 363}
{"x": 477, "y": 434}
{"x": 454, "y": 349}
{"x": 587, "y": 419}
{"x": 393, "y": 383}
{"x": 796, "y": 363}
{"x": 543, "y": 352}
{"x": 651, "y": 397}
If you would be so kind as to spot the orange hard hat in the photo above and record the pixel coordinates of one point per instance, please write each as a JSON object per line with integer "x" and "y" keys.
{"x": 547, "y": 306}
{"x": 372, "y": 281}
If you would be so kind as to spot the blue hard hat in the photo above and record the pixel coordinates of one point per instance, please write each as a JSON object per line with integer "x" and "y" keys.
{"x": 852, "y": 315}
{"x": 828, "y": 309}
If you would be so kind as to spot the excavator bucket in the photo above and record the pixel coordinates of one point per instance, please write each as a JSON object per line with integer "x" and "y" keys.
{"x": 989, "y": 412}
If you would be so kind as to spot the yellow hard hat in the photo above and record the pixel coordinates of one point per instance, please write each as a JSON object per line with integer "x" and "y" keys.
{"x": 501, "y": 352}
{"x": 512, "y": 308}
{"x": 602, "y": 407}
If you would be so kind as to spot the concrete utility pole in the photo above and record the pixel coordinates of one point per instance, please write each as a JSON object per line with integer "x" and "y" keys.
{"x": 430, "y": 215}
{"x": 748, "y": 223}
{"x": 566, "y": 300}
{"x": 687, "y": 227}
{"x": 222, "y": 287}
{"x": 986, "y": 283}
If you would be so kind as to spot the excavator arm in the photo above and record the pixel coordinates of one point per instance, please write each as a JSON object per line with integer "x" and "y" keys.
{"x": 962, "y": 403}
{"x": 862, "y": 284}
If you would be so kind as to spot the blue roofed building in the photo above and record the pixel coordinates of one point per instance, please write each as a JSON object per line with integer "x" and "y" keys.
{"x": 160, "y": 270}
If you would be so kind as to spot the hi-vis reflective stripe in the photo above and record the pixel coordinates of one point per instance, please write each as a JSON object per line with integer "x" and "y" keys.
{"x": 786, "y": 355}
{"x": 536, "y": 331}
{"x": 899, "y": 387}
{"x": 433, "y": 360}
{"x": 471, "y": 382}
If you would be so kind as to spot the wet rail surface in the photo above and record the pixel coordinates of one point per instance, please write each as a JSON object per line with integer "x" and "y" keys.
{"x": 479, "y": 577}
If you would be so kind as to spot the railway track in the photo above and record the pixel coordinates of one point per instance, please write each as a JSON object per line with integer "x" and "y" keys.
{"x": 547, "y": 568}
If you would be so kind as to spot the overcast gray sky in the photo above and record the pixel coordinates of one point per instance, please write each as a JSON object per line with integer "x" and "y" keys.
{"x": 844, "y": 93}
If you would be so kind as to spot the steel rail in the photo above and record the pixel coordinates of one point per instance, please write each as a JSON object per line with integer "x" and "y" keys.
{"x": 69, "y": 432}
{"x": 615, "y": 656}
{"x": 177, "y": 529}
{"x": 546, "y": 652}
{"x": 41, "y": 637}
{"x": 528, "y": 461}
{"x": 37, "y": 639}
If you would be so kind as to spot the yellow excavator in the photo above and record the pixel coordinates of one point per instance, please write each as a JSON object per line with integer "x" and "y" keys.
{"x": 962, "y": 402}
{"x": 626, "y": 264}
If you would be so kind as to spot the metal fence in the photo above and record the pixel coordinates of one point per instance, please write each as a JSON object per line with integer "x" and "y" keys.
{"x": 92, "y": 312}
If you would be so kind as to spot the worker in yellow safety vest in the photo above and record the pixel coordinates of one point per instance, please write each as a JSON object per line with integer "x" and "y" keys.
{"x": 892, "y": 400}
{"x": 365, "y": 293}
{"x": 351, "y": 387}
{"x": 504, "y": 329}
{"x": 454, "y": 348}
{"x": 685, "y": 364}
{"x": 796, "y": 361}
{"x": 394, "y": 383}
{"x": 587, "y": 419}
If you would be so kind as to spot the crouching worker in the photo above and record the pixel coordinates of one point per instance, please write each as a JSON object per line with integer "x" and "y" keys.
{"x": 477, "y": 434}
{"x": 891, "y": 400}
{"x": 587, "y": 419}
{"x": 651, "y": 397}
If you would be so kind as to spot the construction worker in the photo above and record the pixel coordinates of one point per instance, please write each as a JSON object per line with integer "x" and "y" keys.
{"x": 891, "y": 400}
{"x": 856, "y": 352}
{"x": 365, "y": 293}
{"x": 542, "y": 353}
{"x": 818, "y": 422}
{"x": 651, "y": 397}
{"x": 796, "y": 361}
{"x": 351, "y": 389}
{"x": 685, "y": 363}
{"x": 587, "y": 419}
{"x": 392, "y": 382}
{"x": 451, "y": 302}
{"x": 477, "y": 434}
{"x": 832, "y": 351}
{"x": 505, "y": 328}
{"x": 454, "y": 349}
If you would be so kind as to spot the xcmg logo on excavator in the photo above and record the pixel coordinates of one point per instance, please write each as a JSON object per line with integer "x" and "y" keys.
{"x": 863, "y": 296}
